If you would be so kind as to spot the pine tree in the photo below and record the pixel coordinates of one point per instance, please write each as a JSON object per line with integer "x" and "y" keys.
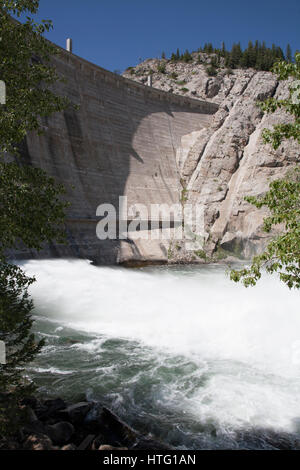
{"x": 223, "y": 50}
{"x": 257, "y": 55}
{"x": 214, "y": 62}
{"x": 210, "y": 48}
{"x": 248, "y": 58}
{"x": 279, "y": 54}
{"x": 235, "y": 56}
{"x": 288, "y": 54}
{"x": 186, "y": 57}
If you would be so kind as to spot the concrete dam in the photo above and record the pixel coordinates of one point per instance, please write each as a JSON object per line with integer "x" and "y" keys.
{"x": 122, "y": 141}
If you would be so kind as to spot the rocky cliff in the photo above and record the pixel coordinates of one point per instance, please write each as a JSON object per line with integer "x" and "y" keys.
{"x": 190, "y": 140}
{"x": 222, "y": 163}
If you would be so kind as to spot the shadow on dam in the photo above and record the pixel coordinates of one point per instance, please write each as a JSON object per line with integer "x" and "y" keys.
{"x": 121, "y": 141}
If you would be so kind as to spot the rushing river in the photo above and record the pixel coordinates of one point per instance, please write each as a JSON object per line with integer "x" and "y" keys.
{"x": 181, "y": 352}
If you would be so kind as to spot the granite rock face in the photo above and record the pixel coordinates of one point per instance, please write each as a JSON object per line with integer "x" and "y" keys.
{"x": 226, "y": 161}
{"x": 191, "y": 139}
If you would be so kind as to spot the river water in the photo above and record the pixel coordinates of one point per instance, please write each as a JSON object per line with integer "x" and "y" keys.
{"x": 180, "y": 352}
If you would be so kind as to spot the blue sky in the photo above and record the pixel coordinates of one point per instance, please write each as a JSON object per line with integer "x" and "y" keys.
{"x": 118, "y": 33}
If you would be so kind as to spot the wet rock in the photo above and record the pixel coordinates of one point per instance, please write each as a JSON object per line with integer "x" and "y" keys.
{"x": 143, "y": 443}
{"x": 86, "y": 443}
{"x": 72, "y": 430}
{"x": 50, "y": 408}
{"x": 117, "y": 428}
{"x": 69, "y": 447}
{"x": 55, "y": 404}
{"x": 34, "y": 427}
{"x": 94, "y": 415}
{"x": 108, "y": 447}
{"x": 38, "y": 442}
{"x": 60, "y": 433}
{"x": 76, "y": 413}
{"x": 98, "y": 441}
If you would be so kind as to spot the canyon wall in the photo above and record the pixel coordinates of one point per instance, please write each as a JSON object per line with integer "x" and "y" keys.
{"x": 121, "y": 141}
{"x": 228, "y": 160}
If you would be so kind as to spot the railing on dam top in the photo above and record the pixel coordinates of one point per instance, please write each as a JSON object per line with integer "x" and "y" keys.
{"x": 100, "y": 73}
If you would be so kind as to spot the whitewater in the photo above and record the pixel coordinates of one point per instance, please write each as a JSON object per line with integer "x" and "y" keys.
{"x": 180, "y": 352}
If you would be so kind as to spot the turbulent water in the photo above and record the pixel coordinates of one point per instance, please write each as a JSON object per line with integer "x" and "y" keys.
{"x": 180, "y": 352}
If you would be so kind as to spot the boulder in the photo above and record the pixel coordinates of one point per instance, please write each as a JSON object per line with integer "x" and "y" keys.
{"x": 69, "y": 447}
{"x": 38, "y": 442}
{"x": 50, "y": 408}
{"x": 108, "y": 447}
{"x": 55, "y": 404}
{"x": 86, "y": 443}
{"x": 60, "y": 433}
{"x": 76, "y": 413}
{"x": 144, "y": 443}
{"x": 35, "y": 427}
{"x": 94, "y": 415}
{"x": 117, "y": 429}
{"x": 98, "y": 441}
{"x": 213, "y": 87}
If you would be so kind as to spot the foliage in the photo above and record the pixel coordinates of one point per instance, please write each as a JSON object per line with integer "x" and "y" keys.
{"x": 32, "y": 209}
{"x": 291, "y": 105}
{"x": 173, "y": 75}
{"x": 257, "y": 55}
{"x": 288, "y": 54}
{"x": 234, "y": 58}
{"x": 161, "y": 68}
{"x": 282, "y": 254}
{"x": 187, "y": 57}
{"x": 200, "y": 254}
{"x": 21, "y": 347}
{"x": 211, "y": 71}
{"x": 25, "y": 69}
{"x": 184, "y": 195}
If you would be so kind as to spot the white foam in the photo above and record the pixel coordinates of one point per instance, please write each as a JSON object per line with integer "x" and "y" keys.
{"x": 249, "y": 337}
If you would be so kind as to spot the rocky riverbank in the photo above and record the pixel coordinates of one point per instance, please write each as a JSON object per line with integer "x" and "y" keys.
{"x": 55, "y": 424}
{"x": 58, "y": 425}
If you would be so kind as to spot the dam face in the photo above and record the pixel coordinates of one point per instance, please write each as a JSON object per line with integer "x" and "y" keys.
{"x": 122, "y": 141}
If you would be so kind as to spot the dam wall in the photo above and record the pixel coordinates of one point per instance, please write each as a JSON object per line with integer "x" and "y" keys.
{"x": 121, "y": 141}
